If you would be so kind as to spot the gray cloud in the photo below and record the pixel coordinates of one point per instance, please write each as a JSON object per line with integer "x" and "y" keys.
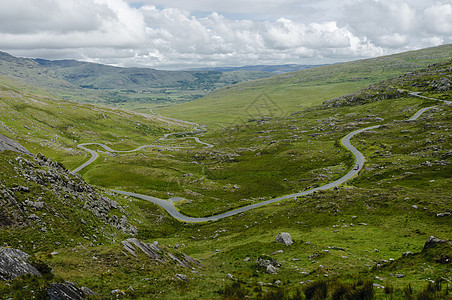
{"x": 173, "y": 34}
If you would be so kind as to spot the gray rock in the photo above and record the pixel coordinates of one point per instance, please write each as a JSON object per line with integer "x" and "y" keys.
{"x": 87, "y": 291}
{"x": 405, "y": 254}
{"x": 271, "y": 269}
{"x": 9, "y": 144}
{"x": 445, "y": 214}
{"x": 13, "y": 263}
{"x": 230, "y": 276}
{"x": 432, "y": 241}
{"x": 33, "y": 217}
{"x": 284, "y": 238}
{"x": 265, "y": 262}
{"x": 65, "y": 291}
{"x": 182, "y": 277}
{"x": 178, "y": 261}
{"x": 278, "y": 252}
{"x": 117, "y": 292}
{"x": 150, "y": 250}
{"x": 129, "y": 247}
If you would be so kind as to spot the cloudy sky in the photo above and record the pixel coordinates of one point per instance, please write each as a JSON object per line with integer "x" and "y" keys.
{"x": 179, "y": 34}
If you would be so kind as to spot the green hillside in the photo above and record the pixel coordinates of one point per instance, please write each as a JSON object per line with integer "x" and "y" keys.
{"x": 47, "y": 124}
{"x": 285, "y": 94}
{"x": 365, "y": 239}
{"x": 140, "y": 89}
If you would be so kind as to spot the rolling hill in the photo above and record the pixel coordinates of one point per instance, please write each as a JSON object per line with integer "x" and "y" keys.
{"x": 119, "y": 87}
{"x": 287, "y": 93}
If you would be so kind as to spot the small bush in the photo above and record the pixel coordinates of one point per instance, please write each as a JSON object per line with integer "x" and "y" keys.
{"x": 408, "y": 292}
{"x": 316, "y": 290}
{"x": 234, "y": 291}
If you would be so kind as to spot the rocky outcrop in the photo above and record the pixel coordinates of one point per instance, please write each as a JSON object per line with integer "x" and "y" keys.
{"x": 66, "y": 188}
{"x": 13, "y": 263}
{"x": 9, "y": 144}
{"x": 158, "y": 253}
{"x": 65, "y": 291}
{"x": 432, "y": 242}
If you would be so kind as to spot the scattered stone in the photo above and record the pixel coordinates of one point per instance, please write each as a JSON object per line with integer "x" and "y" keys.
{"x": 182, "y": 277}
{"x": 118, "y": 292}
{"x": 399, "y": 275}
{"x": 336, "y": 248}
{"x": 284, "y": 238}
{"x": 414, "y": 206}
{"x": 277, "y": 252}
{"x": 23, "y": 189}
{"x": 406, "y": 254}
{"x": 445, "y": 214}
{"x": 230, "y": 276}
{"x": 376, "y": 250}
{"x": 246, "y": 259}
{"x": 33, "y": 217}
{"x": 271, "y": 269}
{"x": 278, "y": 282}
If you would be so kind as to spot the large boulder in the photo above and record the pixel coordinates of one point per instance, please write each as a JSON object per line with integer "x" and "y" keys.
{"x": 65, "y": 291}
{"x": 284, "y": 238}
{"x": 13, "y": 263}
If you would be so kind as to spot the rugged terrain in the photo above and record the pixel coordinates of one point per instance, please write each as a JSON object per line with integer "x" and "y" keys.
{"x": 384, "y": 234}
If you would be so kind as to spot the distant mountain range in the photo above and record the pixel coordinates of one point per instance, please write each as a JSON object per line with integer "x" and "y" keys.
{"x": 91, "y": 82}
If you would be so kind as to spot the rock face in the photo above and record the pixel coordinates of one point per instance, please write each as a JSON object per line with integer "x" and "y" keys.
{"x": 150, "y": 250}
{"x": 284, "y": 238}
{"x": 46, "y": 176}
{"x": 158, "y": 254}
{"x": 9, "y": 144}
{"x": 432, "y": 241}
{"x": 13, "y": 263}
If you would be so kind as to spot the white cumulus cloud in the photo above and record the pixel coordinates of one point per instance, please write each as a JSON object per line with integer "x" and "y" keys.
{"x": 176, "y": 34}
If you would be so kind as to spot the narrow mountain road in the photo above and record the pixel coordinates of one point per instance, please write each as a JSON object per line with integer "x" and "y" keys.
{"x": 169, "y": 207}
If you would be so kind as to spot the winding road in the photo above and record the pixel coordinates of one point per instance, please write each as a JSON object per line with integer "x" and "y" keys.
{"x": 169, "y": 206}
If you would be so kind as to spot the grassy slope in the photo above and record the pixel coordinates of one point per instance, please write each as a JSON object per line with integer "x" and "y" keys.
{"x": 287, "y": 93}
{"x": 396, "y": 177}
{"x": 46, "y": 124}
